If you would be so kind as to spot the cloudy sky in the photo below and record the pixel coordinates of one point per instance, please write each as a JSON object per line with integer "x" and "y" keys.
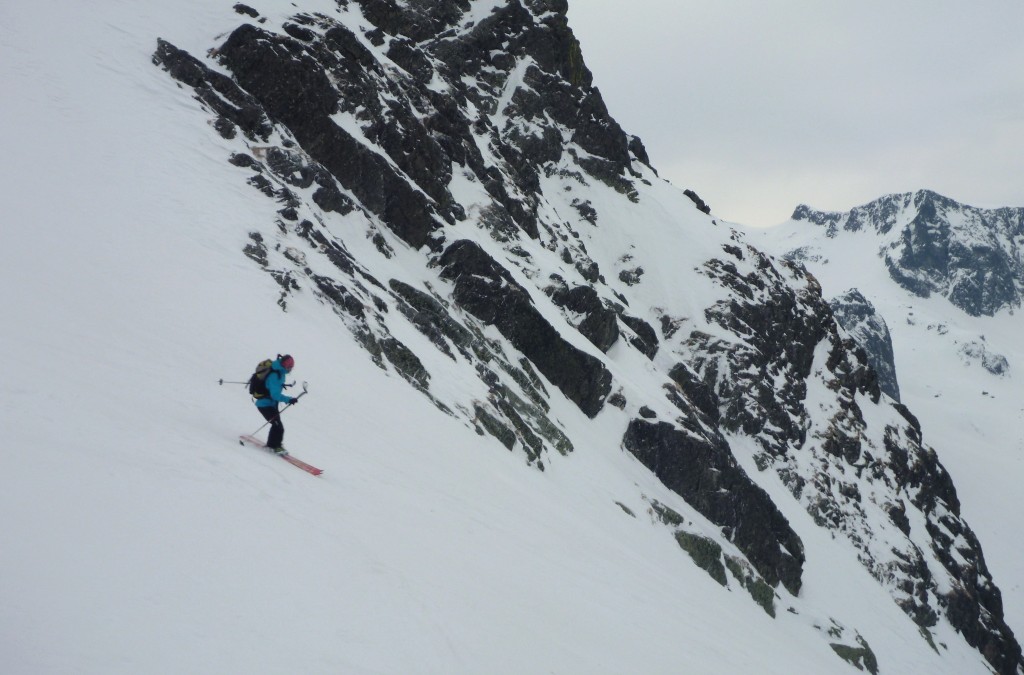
{"x": 761, "y": 106}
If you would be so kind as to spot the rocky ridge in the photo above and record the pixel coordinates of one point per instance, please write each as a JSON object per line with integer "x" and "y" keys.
{"x": 932, "y": 244}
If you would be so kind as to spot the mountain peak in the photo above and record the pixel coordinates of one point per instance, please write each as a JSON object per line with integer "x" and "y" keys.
{"x": 934, "y": 244}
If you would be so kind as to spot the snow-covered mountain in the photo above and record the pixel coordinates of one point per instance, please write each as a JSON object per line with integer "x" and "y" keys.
{"x": 569, "y": 421}
{"x": 933, "y": 244}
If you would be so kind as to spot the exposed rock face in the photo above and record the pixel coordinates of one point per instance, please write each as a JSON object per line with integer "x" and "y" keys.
{"x": 853, "y": 477}
{"x": 858, "y": 317}
{"x": 448, "y": 182}
{"x": 487, "y": 291}
{"x": 780, "y": 326}
{"x": 598, "y": 322}
{"x": 933, "y": 244}
{"x": 705, "y": 473}
{"x": 233, "y": 106}
{"x": 292, "y": 82}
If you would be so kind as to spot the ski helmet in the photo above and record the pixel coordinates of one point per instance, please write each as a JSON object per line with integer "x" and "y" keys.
{"x": 288, "y": 362}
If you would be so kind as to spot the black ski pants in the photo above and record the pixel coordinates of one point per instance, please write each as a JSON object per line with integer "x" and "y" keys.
{"x": 276, "y": 435}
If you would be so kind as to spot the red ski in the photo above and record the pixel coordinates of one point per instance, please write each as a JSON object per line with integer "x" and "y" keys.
{"x": 309, "y": 468}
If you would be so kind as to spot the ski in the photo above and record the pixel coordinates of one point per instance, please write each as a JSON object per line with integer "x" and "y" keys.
{"x": 308, "y": 468}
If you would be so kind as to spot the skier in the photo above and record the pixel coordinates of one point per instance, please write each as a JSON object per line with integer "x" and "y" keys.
{"x": 268, "y": 404}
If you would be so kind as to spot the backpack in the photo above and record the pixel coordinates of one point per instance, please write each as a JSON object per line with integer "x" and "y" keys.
{"x": 258, "y": 380}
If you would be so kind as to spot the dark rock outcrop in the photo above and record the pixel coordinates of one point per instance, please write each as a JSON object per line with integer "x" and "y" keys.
{"x": 699, "y": 393}
{"x": 231, "y": 104}
{"x": 706, "y": 475}
{"x": 858, "y": 317}
{"x": 598, "y": 324}
{"x": 486, "y": 290}
{"x": 293, "y": 86}
{"x": 700, "y": 203}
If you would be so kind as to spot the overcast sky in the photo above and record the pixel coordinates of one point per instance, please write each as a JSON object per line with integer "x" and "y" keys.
{"x": 761, "y": 106}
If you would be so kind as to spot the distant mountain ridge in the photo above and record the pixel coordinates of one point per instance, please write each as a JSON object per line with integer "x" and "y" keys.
{"x": 933, "y": 244}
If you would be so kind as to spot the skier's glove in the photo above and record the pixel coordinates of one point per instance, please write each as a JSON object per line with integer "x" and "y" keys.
{"x": 293, "y": 401}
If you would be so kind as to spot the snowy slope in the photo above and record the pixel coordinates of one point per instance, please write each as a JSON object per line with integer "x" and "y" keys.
{"x": 972, "y": 415}
{"x": 140, "y": 538}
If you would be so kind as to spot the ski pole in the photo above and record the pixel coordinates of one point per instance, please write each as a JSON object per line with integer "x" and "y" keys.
{"x": 305, "y": 390}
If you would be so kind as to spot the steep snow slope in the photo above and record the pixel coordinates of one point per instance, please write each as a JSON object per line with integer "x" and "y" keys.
{"x": 960, "y": 374}
{"x": 139, "y": 537}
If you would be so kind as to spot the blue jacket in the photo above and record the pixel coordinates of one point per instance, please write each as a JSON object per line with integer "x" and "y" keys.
{"x": 275, "y": 385}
